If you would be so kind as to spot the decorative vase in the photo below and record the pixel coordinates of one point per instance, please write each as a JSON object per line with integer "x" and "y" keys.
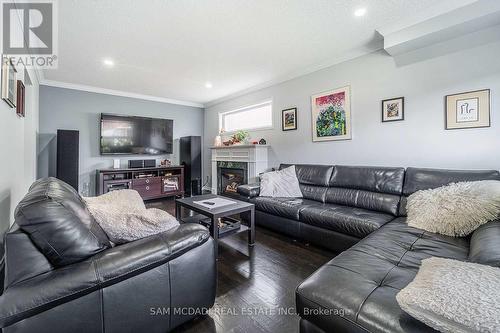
{"x": 218, "y": 141}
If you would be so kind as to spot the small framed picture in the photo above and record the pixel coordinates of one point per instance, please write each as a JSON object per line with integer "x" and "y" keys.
{"x": 20, "y": 98}
{"x": 289, "y": 119}
{"x": 393, "y": 109}
{"x": 468, "y": 110}
{"x": 9, "y": 82}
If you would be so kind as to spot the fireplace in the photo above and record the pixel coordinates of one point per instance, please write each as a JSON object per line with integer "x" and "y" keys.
{"x": 230, "y": 175}
{"x": 236, "y": 162}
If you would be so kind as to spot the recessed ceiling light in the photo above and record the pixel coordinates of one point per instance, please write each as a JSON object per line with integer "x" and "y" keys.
{"x": 108, "y": 62}
{"x": 208, "y": 85}
{"x": 360, "y": 12}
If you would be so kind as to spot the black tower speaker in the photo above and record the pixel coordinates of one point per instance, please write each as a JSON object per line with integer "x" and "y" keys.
{"x": 190, "y": 157}
{"x": 67, "y": 156}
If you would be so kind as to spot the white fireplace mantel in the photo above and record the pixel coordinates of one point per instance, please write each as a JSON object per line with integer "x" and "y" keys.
{"x": 254, "y": 155}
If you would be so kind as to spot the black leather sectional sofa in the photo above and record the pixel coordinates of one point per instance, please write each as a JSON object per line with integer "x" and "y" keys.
{"x": 150, "y": 285}
{"x": 361, "y": 211}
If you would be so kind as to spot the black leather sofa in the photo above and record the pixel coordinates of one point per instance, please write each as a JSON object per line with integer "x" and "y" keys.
{"x": 150, "y": 285}
{"x": 340, "y": 204}
{"x": 361, "y": 211}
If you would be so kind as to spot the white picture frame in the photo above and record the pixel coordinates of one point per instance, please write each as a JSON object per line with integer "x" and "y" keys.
{"x": 9, "y": 82}
{"x": 331, "y": 115}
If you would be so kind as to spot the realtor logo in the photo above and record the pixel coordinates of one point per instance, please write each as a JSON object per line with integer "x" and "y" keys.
{"x": 29, "y": 32}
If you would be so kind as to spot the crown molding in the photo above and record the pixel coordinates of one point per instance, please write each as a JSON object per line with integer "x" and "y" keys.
{"x": 120, "y": 93}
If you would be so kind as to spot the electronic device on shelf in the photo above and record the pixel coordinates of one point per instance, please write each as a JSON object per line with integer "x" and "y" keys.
{"x": 144, "y": 175}
{"x": 118, "y": 186}
{"x": 149, "y": 163}
{"x": 135, "y": 164}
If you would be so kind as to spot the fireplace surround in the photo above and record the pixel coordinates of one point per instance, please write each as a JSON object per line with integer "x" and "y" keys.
{"x": 237, "y": 164}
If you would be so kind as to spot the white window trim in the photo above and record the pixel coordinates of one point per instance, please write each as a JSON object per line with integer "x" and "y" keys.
{"x": 250, "y": 106}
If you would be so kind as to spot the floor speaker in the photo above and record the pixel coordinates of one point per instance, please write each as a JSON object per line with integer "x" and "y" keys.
{"x": 190, "y": 157}
{"x": 67, "y": 156}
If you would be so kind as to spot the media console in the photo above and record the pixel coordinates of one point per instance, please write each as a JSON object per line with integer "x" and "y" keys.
{"x": 151, "y": 183}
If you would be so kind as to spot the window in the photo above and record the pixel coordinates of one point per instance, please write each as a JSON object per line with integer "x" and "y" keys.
{"x": 253, "y": 117}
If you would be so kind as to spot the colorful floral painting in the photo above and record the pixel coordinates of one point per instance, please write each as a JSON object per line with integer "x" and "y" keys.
{"x": 331, "y": 115}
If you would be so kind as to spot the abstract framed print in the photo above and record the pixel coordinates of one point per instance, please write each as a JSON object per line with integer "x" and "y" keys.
{"x": 9, "y": 82}
{"x": 393, "y": 109}
{"x": 289, "y": 119}
{"x": 468, "y": 110}
{"x": 331, "y": 115}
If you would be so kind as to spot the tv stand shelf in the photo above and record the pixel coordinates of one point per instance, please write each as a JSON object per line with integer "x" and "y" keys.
{"x": 151, "y": 183}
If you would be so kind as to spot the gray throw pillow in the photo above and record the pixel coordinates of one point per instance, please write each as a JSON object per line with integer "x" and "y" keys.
{"x": 454, "y": 296}
{"x": 456, "y": 209}
{"x": 280, "y": 184}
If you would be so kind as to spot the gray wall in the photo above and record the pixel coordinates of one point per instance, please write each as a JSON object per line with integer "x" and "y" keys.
{"x": 18, "y": 150}
{"x": 77, "y": 110}
{"x": 419, "y": 140}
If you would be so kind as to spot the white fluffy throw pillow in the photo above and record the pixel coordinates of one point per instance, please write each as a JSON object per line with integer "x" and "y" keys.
{"x": 454, "y": 296}
{"x": 280, "y": 184}
{"x": 127, "y": 199}
{"x": 456, "y": 209}
{"x": 124, "y": 217}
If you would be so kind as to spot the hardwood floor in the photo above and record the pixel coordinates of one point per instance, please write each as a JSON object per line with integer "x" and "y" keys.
{"x": 256, "y": 285}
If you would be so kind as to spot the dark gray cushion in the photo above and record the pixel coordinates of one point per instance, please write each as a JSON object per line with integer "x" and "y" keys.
{"x": 485, "y": 244}
{"x": 374, "y": 179}
{"x": 373, "y": 188}
{"x": 285, "y": 207}
{"x": 312, "y": 174}
{"x": 424, "y": 179}
{"x": 382, "y": 202}
{"x": 418, "y": 179}
{"x": 364, "y": 280}
{"x": 58, "y": 222}
{"x": 352, "y": 221}
{"x": 313, "y": 192}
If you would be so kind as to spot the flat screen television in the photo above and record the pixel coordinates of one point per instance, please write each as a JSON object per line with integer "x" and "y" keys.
{"x": 126, "y": 135}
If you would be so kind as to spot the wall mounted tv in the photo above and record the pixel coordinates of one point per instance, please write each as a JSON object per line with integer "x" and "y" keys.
{"x": 125, "y": 135}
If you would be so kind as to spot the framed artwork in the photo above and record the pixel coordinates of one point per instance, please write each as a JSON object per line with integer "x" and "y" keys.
{"x": 468, "y": 110}
{"x": 331, "y": 115}
{"x": 289, "y": 119}
{"x": 393, "y": 109}
{"x": 20, "y": 98}
{"x": 9, "y": 82}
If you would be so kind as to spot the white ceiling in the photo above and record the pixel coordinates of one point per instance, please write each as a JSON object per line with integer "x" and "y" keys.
{"x": 171, "y": 48}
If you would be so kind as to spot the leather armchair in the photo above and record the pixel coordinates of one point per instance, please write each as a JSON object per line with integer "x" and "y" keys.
{"x": 152, "y": 284}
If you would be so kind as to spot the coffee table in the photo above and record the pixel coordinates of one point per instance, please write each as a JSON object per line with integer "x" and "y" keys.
{"x": 245, "y": 209}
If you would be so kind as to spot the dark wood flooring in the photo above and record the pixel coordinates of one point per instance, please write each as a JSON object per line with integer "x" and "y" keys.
{"x": 256, "y": 285}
